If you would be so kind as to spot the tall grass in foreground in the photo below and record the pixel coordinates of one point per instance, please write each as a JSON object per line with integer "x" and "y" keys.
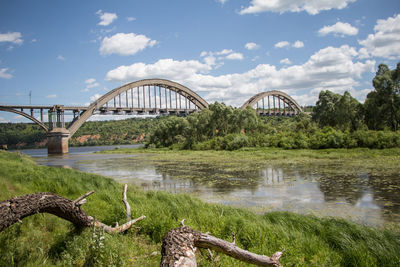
{"x": 47, "y": 240}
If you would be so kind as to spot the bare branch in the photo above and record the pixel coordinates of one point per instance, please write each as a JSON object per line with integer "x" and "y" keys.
{"x": 117, "y": 228}
{"x": 127, "y": 206}
{"x": 81, "y": 200}
{"x": 230, "y": 249}
{"x": 179, "y": 246}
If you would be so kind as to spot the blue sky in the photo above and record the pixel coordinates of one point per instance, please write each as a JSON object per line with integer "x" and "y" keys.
{"x": 70, "y": 52}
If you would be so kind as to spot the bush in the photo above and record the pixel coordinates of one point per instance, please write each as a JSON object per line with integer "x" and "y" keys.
{"x": 236, "y": 141}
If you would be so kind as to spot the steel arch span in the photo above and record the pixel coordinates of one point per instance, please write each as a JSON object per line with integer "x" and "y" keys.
{"x": 32, "y": 118}
{"x": 154, "y": 96}
{"x": 282, "y": 104}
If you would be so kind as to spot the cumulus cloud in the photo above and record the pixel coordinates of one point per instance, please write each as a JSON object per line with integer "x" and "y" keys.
{"x": 4, "y": 74}
{"x": 94, "y": 97}
{"x": 286, "y": 61}
{"x": 130, "y": 18}
{"x": 282, "y": 44}
{"x": 298, "y": 44}
{"x": 221, "y": 1}
{"x": 332, "y": 68}
{"x": 163, "y": 68}
{"x": 90, "y": 83}
{"x": 312, "y": 7}
{"x": 51, "y": 96}
{"x": 235, "y": 56}
{"x": 125, "y": 44}
{"x": 61, "y": 57}
{"x": 338, "y": 29}
{"x": 106, "y": 18}
{"x": 11, "y": 37}
{"x": 385, "y": 41}
{"x": 251, "y": 46}
{"x": 216, "y": 59}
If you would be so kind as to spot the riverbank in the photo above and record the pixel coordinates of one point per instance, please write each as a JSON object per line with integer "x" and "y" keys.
{"x": 308, "y": 240}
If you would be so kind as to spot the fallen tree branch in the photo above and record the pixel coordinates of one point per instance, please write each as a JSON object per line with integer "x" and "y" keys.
{"x": 127, "y": 206}
{"x": 179, "y": 247}
{"x": 82, "y": 199}
{"x": 15, "y": 209}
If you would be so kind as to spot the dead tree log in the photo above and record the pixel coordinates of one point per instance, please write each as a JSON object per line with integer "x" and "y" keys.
{"x": 179, "y": 248}
{"x": 15, "y": 209}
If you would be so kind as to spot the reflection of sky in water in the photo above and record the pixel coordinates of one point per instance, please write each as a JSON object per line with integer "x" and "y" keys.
{"x": 294, "y": 189}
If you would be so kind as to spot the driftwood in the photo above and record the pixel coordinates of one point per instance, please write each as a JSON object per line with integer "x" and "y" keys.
{"x": 15, "y": 209}
{"x": 179, "y": 244}
{"x": 179, "y": 248}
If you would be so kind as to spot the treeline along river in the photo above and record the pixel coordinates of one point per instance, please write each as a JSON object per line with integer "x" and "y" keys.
{"x": 362, "y": 190}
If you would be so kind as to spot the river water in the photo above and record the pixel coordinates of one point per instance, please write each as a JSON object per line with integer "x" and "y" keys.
{"x": 360, "y": 197}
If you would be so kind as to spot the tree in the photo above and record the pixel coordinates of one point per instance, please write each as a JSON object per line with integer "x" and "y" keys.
{"x": 325, "y": 109}
{"x": 343, "y": 112}
{"x": 382, "y": 106}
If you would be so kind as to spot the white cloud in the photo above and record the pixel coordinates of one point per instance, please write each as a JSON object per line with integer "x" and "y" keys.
{"x": 95, "y": 97}
{"x": 252, "y": 46}
{"x": 51, "y": 96}
{"x": 90, "y": 83}
{"x": 216, "y": 58}
{"x": 255, "y": 58}
{"x": 286, "y": 61}
{"x": 130, "y": 18}
{"x": 125, "y": 44}
{"x": 12, "y": 37}
{"x": 312, "y": 7}
{"x": 163, "y": 68}
{"x": 298, "y": 44}
{"x": 106, "y": 18}
{"x": 60, "y": 57}
{"x": 385, "y": 42}
{"x": 90, "y": 80}
{"x": 4, "y": 74}
{"x": 339, "y": 28}
{"x": 221, "y": 1}
{"x": 330, "y": 68}
{"x": 235, "y": 56}
{"x": 224, "y": 52}
{"x": 282, "y": 44}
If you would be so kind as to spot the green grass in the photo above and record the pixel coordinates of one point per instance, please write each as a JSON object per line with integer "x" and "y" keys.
{"x": 44, "y": 239}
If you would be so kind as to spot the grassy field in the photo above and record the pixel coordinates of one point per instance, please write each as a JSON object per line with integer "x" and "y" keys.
{"x": 44, "y": 239}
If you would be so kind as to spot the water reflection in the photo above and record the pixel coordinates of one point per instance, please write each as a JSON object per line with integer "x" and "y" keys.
{"x": 313, "y": 189}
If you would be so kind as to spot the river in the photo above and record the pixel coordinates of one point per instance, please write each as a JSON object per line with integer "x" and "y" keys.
{"x": 306, "y": 190}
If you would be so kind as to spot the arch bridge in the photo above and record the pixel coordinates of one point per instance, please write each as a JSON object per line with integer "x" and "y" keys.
{"x": 150, "y": 96}
{"x": 273, "y": 103}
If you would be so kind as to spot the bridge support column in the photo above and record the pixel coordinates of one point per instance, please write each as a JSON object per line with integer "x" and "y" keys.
{"x": 57, "y": 141}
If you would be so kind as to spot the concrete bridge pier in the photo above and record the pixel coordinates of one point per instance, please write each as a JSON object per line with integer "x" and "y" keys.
{"x": 57, "y": 141}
